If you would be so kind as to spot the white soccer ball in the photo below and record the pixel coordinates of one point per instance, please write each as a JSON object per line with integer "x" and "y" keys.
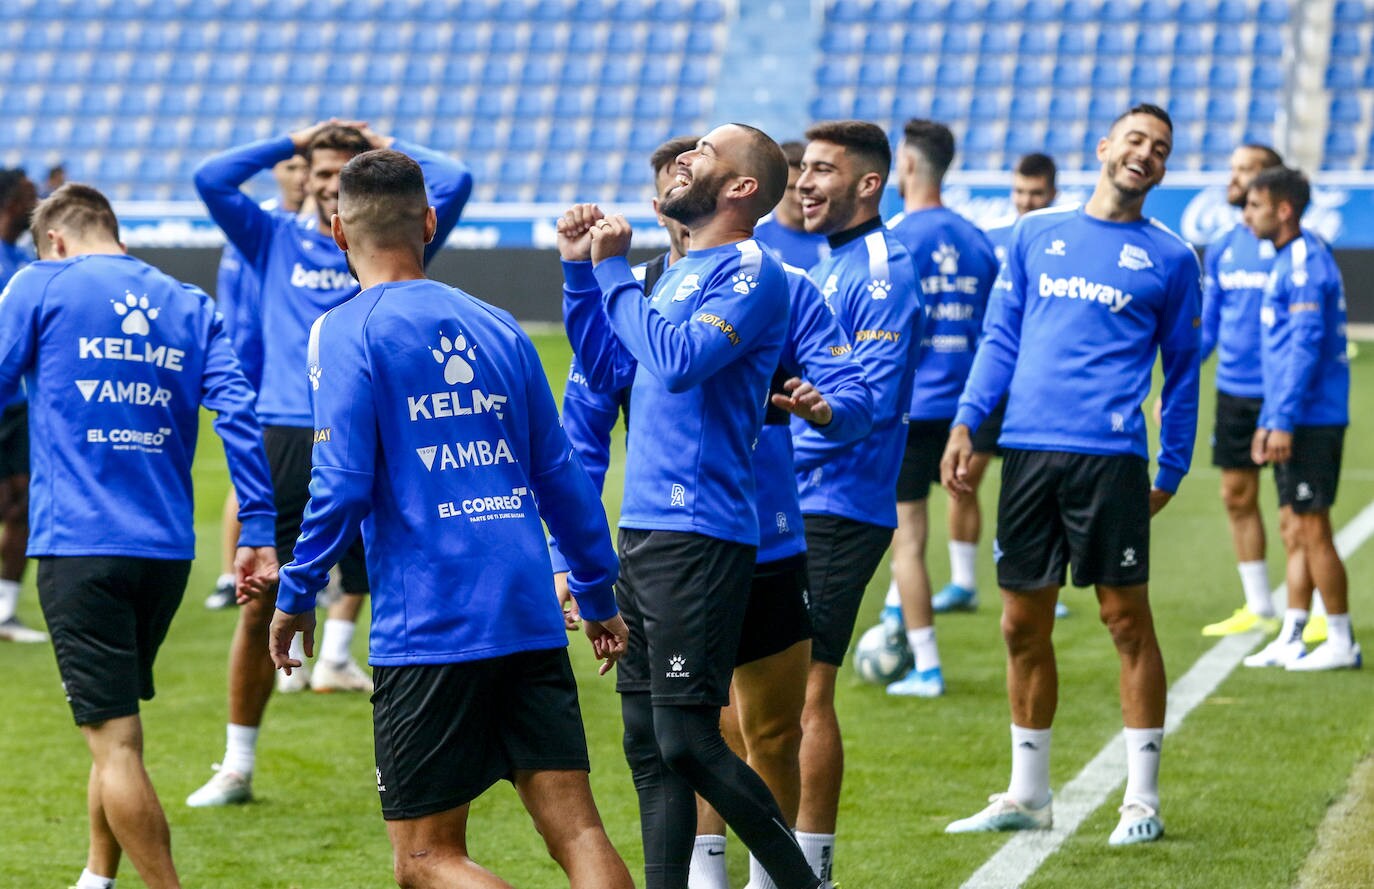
{"x": 882, "y": 657}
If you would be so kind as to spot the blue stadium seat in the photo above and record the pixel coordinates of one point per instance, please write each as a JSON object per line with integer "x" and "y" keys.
{"x": 687, "y": 105}
{"x": 1340, "y": 148}
{"x": 838, "y": 39}
{"x": 1109, "y": 74}
{"x": 829, "y": 106}
{"x": 1074, "y": 42}
{"x": 1041, "y": 11}
{"x": 1155, "y": 11}
{"x": 1147, "y": 76}
{"x": 1232, "y": 12}
{"x": 624, "y": 40}
{"x": 986, "y": 105}
{"x": 949, "y": 106}
{"x": 1117, "y": 12}
{"x": 833, "y": 74}
{"x": 870, "y": 105}
{"x": 1221, "y": 108}
{"x": 921, "y": 41}
{"x": 1341, "y": 76}
{"x": 981, "y": 140}
{"x": 453, "y": 104}
{"x": 882, "y": 41}
{"x": 670, "y": 11}
{"x": 999, "y": 12}
{"x": 1267, "y": 76}
{"x": 574, "y": 103}
{"x": 954, "y": 74}
{"x": 491, "y": 105}
{"x": 990, "y": 72}
{"x": 1273, "y": 12}
{"x": 533, "y": 103}
{"x": 1036, "y": 42}
{"x": 883, "y": 12}
{"x": 693, "y": 76}
{"x": 1081, "y": 12}
{"x": 664, "y": 41}
{"x": 1346, "y": 43}
{"x": 1190, "y": 43}
{"x": 1068, "y": 107}
{"x": 846, "y": 11}
{"x": 481, "y": 139}
{"x": 996, "y": 41}
{"x": 518, "y": 169}
{"x": 1103, "y": 109}
{"x": 1185, "y": 108}
{"x": 1345, "y": 108}
{"x": 1194, "y": 12}
{"x": 611, "y": 103}
{"x": 1223, "y": 76}
{"x": 644, "y": 140}
{"x": 875, "y": 75}
{"x": 1268, "y": 44}
{"x": 958, "y": 41}
{"x": 1028, "y": 106}
{"x": 1262, "y": 108}
{"x": 962, "y": 12}
{"x": 1352, "y": 12}
{"x": 1063, "y": 139}
{"x": 1024, "y": 139}
{"x": 1368, "y": 80}
{"x": 1185, "y": 75}
{"x": 584, "y": 40}
{"x": 927, "y": 13}
{"x": 652, "y": 105}
{"x": 1072, "y": 74}
{"x": 1031, "y": 75}
{"x": 1112, "y": 44}
{"x": 497, "y": 71}
{"x": 708, "y": 11}
{"x": 1228, "y": 42}
{"x": 701, "y": 41}
{"x": 577, "y": 71}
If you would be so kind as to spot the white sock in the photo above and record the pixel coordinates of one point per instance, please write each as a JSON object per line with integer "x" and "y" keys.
{"x": 94, "y": 881}
{"x": 758, "y": 877}
{"x": 894, "y": 599}
{"x": 708, "y": 863}
{"x": 1142, "y": 764}
{"x": 1030, "y": 766}
{"x": 1338, "y": 630}
{"x": 336, "y": 641}
{"x": 298, "y": 648}
{"x": 1294, "y": 619}
{"x": 228, "y": 580}
{"x": 819, "y": 849}
{"x": 923, "y": 645}
{"x": 1254, "y": 579}
{"x": 241, "y": 749}
{"x": 1318, "y": 605}
{"x": 9, "y": 599}
{"x": 963, "y": 559}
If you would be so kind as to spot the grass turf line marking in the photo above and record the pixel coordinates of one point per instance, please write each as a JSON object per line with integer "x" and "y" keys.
{"x": 1022, "y": 855}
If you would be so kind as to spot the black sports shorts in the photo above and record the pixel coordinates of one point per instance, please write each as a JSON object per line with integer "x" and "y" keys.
{"x": 1088, "y": 511}
{"x": 107, "y": 616}
{"x": 776, "y": 618}
{"x": 14, "y": 440}
{"x": 683, "y": 597}
{"x": 1308, "y": 481}
{"x": 1234, "y": 431}
{"x": 444, "y": 733}
{"x": 841, "y": 556}
{"x": 925, "y": 445}
{"x": 985, "y": 439}
{"x": 288, "y": 454}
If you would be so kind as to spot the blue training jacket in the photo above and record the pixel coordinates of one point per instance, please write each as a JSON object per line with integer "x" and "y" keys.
{"x": 1237, "y": 270}
{"x": 797, "y": 248}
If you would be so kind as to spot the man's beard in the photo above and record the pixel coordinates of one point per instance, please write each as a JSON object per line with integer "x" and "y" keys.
{"x": 1115, "y": 167}
{"x": 693, "y": 203}
{"x": 348, "y": 260}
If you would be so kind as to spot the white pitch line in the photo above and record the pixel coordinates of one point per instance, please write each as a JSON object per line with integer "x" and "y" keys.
{"x": 1023, "y": 854}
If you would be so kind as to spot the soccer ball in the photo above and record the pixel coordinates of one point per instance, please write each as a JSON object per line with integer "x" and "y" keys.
{"x": 882, "y": 657}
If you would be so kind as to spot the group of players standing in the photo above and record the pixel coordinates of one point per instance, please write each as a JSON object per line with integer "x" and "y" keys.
{"x": 411, "y": 406}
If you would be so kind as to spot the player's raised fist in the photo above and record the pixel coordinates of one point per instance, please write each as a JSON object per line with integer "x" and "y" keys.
{"x": 611, "y": 237}
{"x": 574, "y": 232}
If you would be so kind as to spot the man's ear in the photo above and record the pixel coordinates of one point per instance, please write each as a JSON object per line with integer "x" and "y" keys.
{"x": 431, "y": 225}
{"x": 57, "y": 244}
{"x": 743, "y": 188}
{"x": 870, "y": 184}
{"x": 336, "y": 229}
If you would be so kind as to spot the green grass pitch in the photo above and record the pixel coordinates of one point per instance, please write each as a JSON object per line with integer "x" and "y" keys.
{"x": 1246, "y": 780}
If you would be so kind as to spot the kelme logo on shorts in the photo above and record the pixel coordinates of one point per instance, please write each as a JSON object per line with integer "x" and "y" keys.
{"x": 676, "y": 663}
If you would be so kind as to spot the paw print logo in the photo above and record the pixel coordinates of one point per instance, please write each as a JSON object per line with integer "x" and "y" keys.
{"x": 314, "y": 374}
{"x": 136, "y": 314}
{"x": 743, "y": 283}
{"x": 879, "y": 289}
{"x": 947, "y": 258}
{"x": 454, "y": 354}
{"x": 676, "y": 663}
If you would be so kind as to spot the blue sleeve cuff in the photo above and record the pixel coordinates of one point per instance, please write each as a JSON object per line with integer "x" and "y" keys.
{"x": 560, "y": 564}
{"x": 292, "y": 598}
{"x": 579, "y": 278}
{"x": 612, "y": 273}
{"x": 594, "y": 602}
{"x": 969, "y": 416}
{"x": 1278, "y": 422}
{"x": 258, "y": 531}
{"x": 1168, "y": 479}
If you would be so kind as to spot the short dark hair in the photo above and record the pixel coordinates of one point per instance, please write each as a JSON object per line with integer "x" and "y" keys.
{"x": 865, "y": 141}
{"x": 78, "y": 208}
{"x": 1284, "y": 184}
{"x": 793, "y": 150}
{"x": 1271, "y": 157}
{"x": 9, "y": 184}
{"x": 668, "y": 152}
{"x": 1148, "y": 109}
{"x": 933, "y": 141}
{"x": 1037, "y": 166}
{"x": 765, "y": 162}
{"x": 337, "y": 137}
{"x": 382, "y": 193}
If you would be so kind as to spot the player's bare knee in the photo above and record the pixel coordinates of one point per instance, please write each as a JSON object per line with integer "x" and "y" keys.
{"x": 1130, "y": 626}
{"x": 1240, "y": 498}
{"x": 1023, "y": 634}
{"x": 775, "y": 740}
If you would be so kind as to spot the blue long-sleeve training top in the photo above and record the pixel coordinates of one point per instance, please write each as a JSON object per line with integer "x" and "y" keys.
{"x": 797, "y": 248}
{"x": 699, "y": 354}
{"x": 435, "y": 428}
{"x": 999, "y": 236}
{"x": 1081, "y": 308}
{"x": 955, "y": 266}
{"x": 869, "y": 285}
{"x": 13, "y": 258}
{"x": 1306, "y": 367}
{"x": 302, "y": 272}
{"x": 239, "y": 299}
{"x": 119, "y": 358}
{"x": 1237, "y": 269}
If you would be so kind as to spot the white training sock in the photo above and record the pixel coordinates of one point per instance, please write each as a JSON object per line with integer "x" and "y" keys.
{"x": 1142, "y": 764}
{"x": 923, "y": 645}
{"x": 9, "y": 599}
{"x": 963, "y": 561}
{"x": 1030, "y": 766}
{"x": 1254, "y": 579}
{"x": 1338, "y": 630}
{"x": 894, "y": 599}
{"x": 1318, "y": 604}
{"x": 336, "y": 640}
{"x": 1294, "y": 619}
{"x": 93, "y": 881}
{"x": 297, "y": 651}
{"x": 241, "y": 750}
{"x": 758, "y": 877}
{"x": 819, "y": 849}
{"x": 708, "y": 863}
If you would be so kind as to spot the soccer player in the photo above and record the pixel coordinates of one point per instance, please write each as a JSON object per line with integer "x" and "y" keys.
{"x": 436, "y": 430}
{"x": 237, "y": 298}
{"x": 17, "y": 199}
{"x": 121, "y": 357}
{"x": 1238, "y": 265}
{"x": 956, "y": 267}
{"x": 848, "y": 495}
{"x": 1301, "y": 426}
{"x": 784, "y": 229}
{"x": 699, "y": 353}
{"x": 1087, "y": 297}
{"x": 302, "y": 274}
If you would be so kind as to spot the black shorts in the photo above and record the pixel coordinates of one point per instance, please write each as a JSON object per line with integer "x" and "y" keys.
{"x": 985, "y": 439}
{"x": 776, "y": 618}
{"x": 1058, "y": 509}
{"x": 444, "y": 733}
{"x": 925, "y": 445}
{"x": 288, "y": 454}
{"x": 1234, "y": 431}
{"x": 683, "y": 597}
{"x": 107, "y": 616}
{"x": 841, "y": 556}
{"x": 1308, "y": 481}
{"x": 14, "y": 440}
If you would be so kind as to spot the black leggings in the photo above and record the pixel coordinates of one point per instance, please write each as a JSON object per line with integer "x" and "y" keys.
{"x": 676, "y": 751}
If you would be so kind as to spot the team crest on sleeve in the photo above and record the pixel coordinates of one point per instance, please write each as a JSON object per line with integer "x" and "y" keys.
{"x": 879, "y": 289}
{"x": 1134, "y": 258}
{"x": 947, "y": 258}
{"x": 690, "y": 284}
{"x": 454, "y": 354}
{"x": 136, "y": 312}
{"x": 743, "y": 283}
{"x": 314, "y": 373}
